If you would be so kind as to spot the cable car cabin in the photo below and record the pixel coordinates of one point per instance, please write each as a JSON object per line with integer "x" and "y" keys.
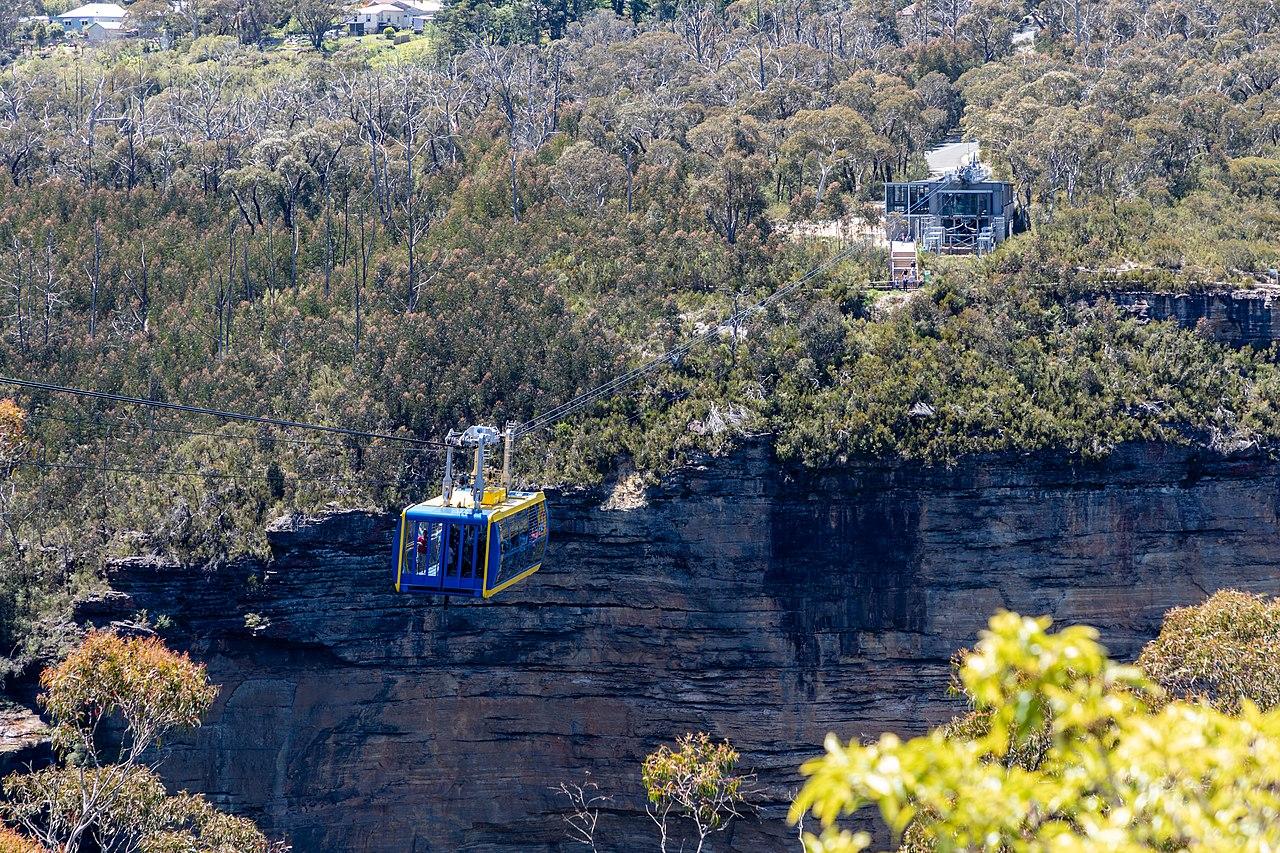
{"x": 452, "y": 547}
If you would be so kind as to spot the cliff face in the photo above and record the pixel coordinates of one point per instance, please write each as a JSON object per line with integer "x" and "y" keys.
{"x": 1237, "y": 317}
{"x": 759, "y": 603}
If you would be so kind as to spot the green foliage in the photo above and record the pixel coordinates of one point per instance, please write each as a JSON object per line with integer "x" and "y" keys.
{"x": 139, "y": 814}
{"x": 12, "y": 842}
{"x": 1121, "y": 770}
{"x": 696, "y": 781}
{"x": 152, "y": 690}
{"x": 1008, "y": 368}
{"x": 13, "y": 433}
{"x": 1224, "y": 651}
{"x": 413, "y": 240}
{"x": 109, "y": 793}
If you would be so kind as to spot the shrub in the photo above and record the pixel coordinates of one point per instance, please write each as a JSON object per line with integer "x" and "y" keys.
{"x": 695, "y": 781}
{"x": 1118, "y": 773}
{"x": 106, "y": 791}
{"x": 12, "y": 842}
{"x": 1224, "y": 651}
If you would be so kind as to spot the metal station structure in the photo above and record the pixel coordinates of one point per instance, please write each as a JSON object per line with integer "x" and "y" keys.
{"x": 960, "y": 212}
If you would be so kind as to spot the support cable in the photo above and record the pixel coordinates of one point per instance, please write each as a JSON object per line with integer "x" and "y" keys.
{"x": 96, "y": 420}
{"x": 217, "y": 413}
{"x": 198, "y": 475}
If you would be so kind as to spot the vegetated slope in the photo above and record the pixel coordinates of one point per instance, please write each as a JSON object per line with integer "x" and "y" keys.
{"x": 479, "y": 235}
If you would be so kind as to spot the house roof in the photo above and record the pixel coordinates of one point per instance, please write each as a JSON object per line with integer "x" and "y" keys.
{"x": 376, "y": 8}
{"x": 949, "y": 155}
{"x": 96, "y": 10}
{"x": 108, "y": 25}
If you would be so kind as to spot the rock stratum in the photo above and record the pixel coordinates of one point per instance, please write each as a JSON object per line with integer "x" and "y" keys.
{"x": 1238, "y": 317}
{"x": 758, "y": 602}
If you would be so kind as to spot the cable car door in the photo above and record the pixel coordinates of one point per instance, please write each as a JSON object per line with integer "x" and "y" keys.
{"x": 462, "y": 557}
{"x": 422, "y": 558}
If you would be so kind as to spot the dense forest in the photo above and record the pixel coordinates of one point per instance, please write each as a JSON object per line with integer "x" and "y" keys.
{"x": 410, "y": 241}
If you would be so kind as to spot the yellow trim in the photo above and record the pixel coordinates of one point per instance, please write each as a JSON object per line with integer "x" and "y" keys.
{"x": 488, "y": 547}
{"x": 528, "y": 503}
{"x": 404, "y": 524}
{"x": 525, "y": 503}
{"x": 489, "y": 593}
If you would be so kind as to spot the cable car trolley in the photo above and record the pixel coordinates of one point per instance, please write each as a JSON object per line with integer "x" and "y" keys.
{"x": 472, "y": 540}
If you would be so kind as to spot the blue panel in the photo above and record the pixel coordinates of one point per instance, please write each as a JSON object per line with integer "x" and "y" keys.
{"x": 443, "y": 553}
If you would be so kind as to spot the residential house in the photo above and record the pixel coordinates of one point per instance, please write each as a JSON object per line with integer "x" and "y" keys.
{"x": 373, "y": 19}
{"x": 101, "y": 31}
{"x": 397, "y": 14}
{"x": 80, "y": 19}
{"x": 425, "y": 11}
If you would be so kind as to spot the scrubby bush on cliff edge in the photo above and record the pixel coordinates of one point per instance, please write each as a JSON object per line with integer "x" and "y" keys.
{"x": 1122, "y": 768}
{"x": 105, "y": 789}
{"x": 1222, "y": 652}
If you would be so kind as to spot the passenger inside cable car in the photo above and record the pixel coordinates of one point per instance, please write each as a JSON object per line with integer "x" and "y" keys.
{"x": 455, "y": 545}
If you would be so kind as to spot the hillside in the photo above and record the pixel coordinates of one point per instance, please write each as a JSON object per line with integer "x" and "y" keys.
{"x": 480, "y": 230}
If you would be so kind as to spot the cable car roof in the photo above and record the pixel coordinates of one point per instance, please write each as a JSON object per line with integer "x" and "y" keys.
{"x": 497, "y": 502}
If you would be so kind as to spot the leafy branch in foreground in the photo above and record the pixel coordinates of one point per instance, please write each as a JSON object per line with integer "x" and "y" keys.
{"x": 1120, "y": 772}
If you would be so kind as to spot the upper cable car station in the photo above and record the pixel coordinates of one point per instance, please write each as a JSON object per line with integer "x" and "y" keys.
{"x": 958, "y": 210}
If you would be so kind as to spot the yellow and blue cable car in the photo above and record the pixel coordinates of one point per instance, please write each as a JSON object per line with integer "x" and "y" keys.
{"x": 458, "y": 546}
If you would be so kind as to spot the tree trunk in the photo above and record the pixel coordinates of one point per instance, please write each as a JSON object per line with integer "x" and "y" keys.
{"x": 630, "y": 180}
{"x": 95, "y": 272}
{"x": 515, "y": 198}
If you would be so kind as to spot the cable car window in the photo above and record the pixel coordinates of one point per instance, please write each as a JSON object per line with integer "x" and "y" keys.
{"x": 452, "y": 551}
{"x": 425, "y": 556}
{"x": 469, "y": 551}
{"x": 523, "y": 541}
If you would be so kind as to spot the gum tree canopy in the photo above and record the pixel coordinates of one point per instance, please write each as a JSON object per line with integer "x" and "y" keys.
{"x": 106, "y": 788}
{"x": 1119, "y": 768}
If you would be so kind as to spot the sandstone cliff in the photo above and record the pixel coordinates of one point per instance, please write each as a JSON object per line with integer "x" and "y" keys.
{"x": 1237, "y": 317}
{"x": 757, "y": 602}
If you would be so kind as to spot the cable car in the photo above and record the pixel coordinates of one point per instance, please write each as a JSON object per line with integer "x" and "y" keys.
{"x": 457, "y": 545}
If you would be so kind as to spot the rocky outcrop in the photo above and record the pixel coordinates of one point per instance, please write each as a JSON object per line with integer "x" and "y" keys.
{"x": 1237, "y": 317}
{"x": 758, "y": 602}
{"x": 24, "y": 739}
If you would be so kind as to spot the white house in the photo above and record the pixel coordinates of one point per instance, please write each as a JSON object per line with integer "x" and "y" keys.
{"x": 100, "y": 31}
{"x": 377, "y": 17}
{"x": 78, "y": 20}
{"x": 397, "y": 14}
{"x": 424, "y": 12}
